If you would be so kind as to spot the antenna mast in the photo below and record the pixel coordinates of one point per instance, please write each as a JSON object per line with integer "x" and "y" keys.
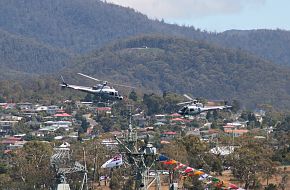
{"x": 142, "y": 159}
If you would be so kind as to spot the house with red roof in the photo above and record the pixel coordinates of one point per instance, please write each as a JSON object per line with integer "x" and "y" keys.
{"x": 62, "y": 116}
{"x": 236, "y": 132}
{"x": 168, "y": 135}
{"x": 103, "y": 110}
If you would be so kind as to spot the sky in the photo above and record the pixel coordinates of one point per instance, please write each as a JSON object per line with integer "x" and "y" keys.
{"x": 216, "y": 15}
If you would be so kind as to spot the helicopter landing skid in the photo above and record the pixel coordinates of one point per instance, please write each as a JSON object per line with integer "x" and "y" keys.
{"x": 104, "y": 103}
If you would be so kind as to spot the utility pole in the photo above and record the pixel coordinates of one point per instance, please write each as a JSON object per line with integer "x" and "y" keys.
{"x": 96, "y": 169}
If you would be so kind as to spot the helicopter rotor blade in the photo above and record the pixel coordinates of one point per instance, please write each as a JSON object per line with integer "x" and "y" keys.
{"x": 89, "y": 77}
{"x": 182, "y": 103}
{"x": 105, "y": 82}
{"x": 188, "y": 97}
{"x": 122, "y": 85}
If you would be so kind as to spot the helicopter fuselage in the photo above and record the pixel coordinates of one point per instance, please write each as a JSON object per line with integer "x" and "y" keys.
{"x": 104, "y": 92}
{"x": 199, "y": 108}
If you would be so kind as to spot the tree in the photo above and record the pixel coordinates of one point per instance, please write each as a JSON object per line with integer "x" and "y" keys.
{"x": 192, "y": 183}
{"x": 88, "y": 98}
{"x": 116, "y": 180}
{"x": 271, "y": 187}
{"x": 153, "y": 102}
{"x": 235, "y": 106}
{"x": 133, "y": 96}
{"x": 31, "y": 166}
{"x": 250, "y": 161}
{"x": 107, "y": 124}
{"x": 2, "y": 99}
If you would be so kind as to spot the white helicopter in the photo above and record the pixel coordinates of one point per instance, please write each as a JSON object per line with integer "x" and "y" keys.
{"x": 102, "y": 91}
{"x": 194, "y": 107}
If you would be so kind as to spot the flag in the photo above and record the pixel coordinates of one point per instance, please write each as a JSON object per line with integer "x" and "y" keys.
{"x": 233, "y": 186}
{"x": 163, "y": 158}
{"x": 203, "y": 177}
{"x": 179, "y": 166}
{"x": 198, "y": 172}
{"x": 170, "y": 162}
{"x": 113, "y": 162}
{"x": 187, "y": 170}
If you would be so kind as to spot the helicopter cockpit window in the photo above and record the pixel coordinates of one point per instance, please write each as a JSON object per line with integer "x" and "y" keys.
{"x": 183, "y": 109}
{"x": 116, "y": 93}
{"x": 112, "y": 93}
{"x": 199, "y": 105}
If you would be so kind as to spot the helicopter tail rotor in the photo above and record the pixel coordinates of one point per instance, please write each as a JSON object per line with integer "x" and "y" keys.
{"x": 64, "y": 84}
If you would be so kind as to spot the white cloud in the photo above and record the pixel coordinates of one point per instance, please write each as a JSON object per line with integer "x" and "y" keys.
{"x": 188, "y": 9}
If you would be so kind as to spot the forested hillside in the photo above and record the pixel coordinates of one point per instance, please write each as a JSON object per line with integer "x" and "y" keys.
{"x": 23, "y": 55}
{"x": 182, "y": 66}
{"x": 80, "y": 25}
{"x": 39, "y": 37}
{"x": 84, "y": 25}
{"x": 273, "y": 45}
{"x": 164, "y": 64}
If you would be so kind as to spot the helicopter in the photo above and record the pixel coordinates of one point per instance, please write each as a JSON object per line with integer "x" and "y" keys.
{"x": 101, "y": 91}
{"x": 194, "y": 107}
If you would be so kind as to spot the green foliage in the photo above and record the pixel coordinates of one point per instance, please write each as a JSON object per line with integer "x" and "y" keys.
{"x": 154, "y": 103}
{"x": 2, "y": 99}
{"x": 190, "y": 67}
{"x": 31, "y": 166}
{"x": 22, "y": 55}
{"x": 3, "y": 168}
{"x": 271, "y": 187}
{"x": 192, "y": 183}
{"x": 133, "y": 96}
{"x": 236, "y": 106}
{"x": 268, "y": 44}
{"x": 85, "y": 124}
{"x": 250, "y": 161}
{"x": 116, "y": 181}
{"x": 107, "y": 124}
{"x": 88, "y": 24}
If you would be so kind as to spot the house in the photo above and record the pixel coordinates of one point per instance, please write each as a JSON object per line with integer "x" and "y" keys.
{"x": 222, "y": 150}
{"x": 238, "y": 124}
{"x": 51, "y": 110}
{"x": 62, "y": 116}
{"x": 12, "y": 143}
{"x": 7, "y": 106}
{"x": 6, "y": 127}
{"x": 39, "y": 108}
{"x": 25, "y": 106}
{"x": 174, "y": 115}
{"x": 210, "y": 134}
{"x": 195, "y": 132}
{"x": 103, "y": 110}
{"x": 178, "y": 120}
{"x": 168, "y": 135}
{"x": 236, "y": 132}
{"x": 160, "y": 118}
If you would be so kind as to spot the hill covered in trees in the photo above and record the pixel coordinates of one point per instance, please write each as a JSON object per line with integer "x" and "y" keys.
{"x": 273, "y": 45}
{"x": 21, "y": 56}
{"x": 38, "y": 37}
{"x": 160, "y": 64}
{"x": 84, "y": 25}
